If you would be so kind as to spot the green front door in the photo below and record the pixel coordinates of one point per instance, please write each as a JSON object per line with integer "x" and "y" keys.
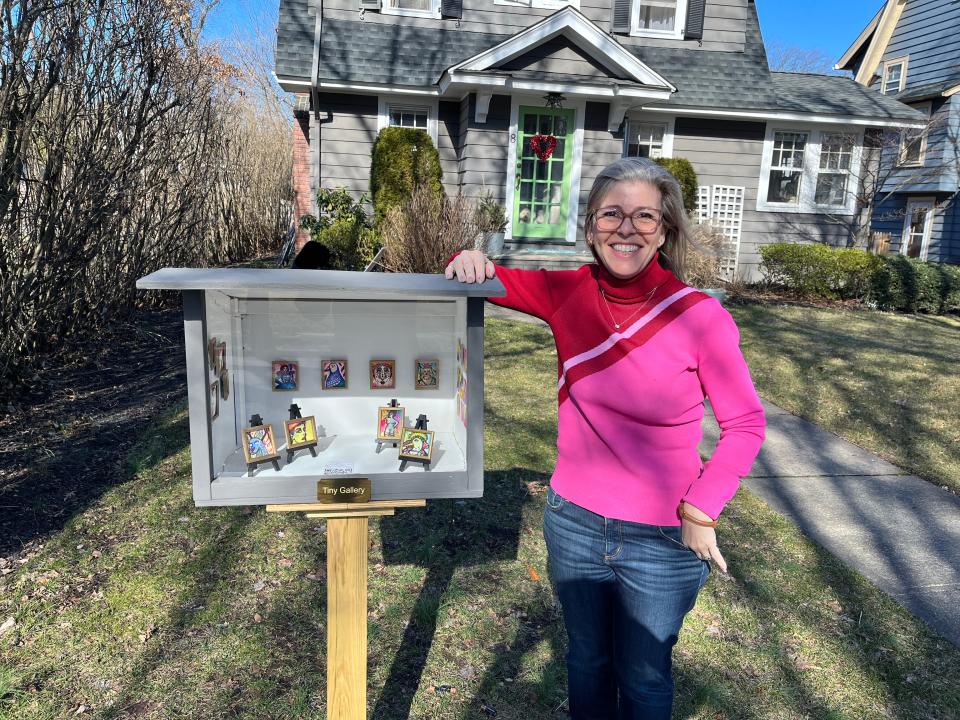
{"x": 542, "y": 188}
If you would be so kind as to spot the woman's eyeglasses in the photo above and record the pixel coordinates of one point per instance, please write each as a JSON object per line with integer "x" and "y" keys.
{"x": 610, "y": 219}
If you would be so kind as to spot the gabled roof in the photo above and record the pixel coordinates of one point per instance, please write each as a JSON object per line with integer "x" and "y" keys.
{"x": 859, "y": 45}
{"x": 570, "y": 23}
{"x": 826, "y": 95}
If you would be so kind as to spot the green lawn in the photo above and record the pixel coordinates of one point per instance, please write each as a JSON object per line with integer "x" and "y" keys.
{"x": 146, "y": 607}
{"x": 887, "y": 382}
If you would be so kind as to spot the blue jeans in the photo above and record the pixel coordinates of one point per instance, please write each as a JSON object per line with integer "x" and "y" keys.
{"x": 625, "y": 588}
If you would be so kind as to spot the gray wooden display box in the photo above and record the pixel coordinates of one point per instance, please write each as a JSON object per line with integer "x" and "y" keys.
{"x": 309, "y": 315}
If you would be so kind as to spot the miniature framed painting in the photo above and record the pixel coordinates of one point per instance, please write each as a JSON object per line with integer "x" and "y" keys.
{"x": 221, "y": 357}
{"x": 214, "y": 400}
{"x": 333, "y": 375}
{"x": 426, "y": 375}
{"x": 301, "y": 432}
{"x": 285, "y": 375}
{"x": 212, "y": 354}
{"x": 416, "y": 444}
{"x": 383, "y": 374}
{"x": 259, "y": 444}
{"x": 389, "y": 424}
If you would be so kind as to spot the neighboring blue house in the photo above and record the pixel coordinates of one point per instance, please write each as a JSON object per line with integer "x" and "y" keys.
{"x": 778, "y": 155}
{"x": 910, "y": 51}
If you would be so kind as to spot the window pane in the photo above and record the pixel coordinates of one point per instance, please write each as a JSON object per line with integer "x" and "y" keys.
{"x": 411, "y": 4}
{"x": 788, "y": 149}
{"x": 415, "y": 117}
{"x": 891, "y": 78}
{"x": 836, "y": 151}
{"x": 648, "y": 140}
{"x": 911, "y": 145}
{"x": 657, "y": 15}
{"x": 784, "y": 186}
{"x": 831, "y": 189}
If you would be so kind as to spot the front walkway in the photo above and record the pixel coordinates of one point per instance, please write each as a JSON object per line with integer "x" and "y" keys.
{"x": 898, "y": 531}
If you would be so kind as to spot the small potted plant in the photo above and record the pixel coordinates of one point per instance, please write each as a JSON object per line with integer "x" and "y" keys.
{"x": 491, "y": 220}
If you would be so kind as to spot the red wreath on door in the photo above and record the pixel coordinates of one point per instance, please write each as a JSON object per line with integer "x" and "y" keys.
{"x": 543, "y": 145}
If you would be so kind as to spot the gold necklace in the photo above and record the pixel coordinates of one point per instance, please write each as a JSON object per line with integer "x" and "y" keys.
{"x": 616, "y": 324}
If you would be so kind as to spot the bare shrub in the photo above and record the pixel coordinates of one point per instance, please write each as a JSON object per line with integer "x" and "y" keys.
{"x": 703, "y": 257}
{"x": 127, "y": 146}
{"x": 420, "y": 235}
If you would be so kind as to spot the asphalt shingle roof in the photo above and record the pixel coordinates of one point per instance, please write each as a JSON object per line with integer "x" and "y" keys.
{"x": 395, "y": 54}
{"x": 295, "y": 30}
{"x": 836, "y": 95}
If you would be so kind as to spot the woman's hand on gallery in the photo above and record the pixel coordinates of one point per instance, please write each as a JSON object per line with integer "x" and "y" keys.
{"x": 702, "y": 540}
{"x": 470, "y": 266}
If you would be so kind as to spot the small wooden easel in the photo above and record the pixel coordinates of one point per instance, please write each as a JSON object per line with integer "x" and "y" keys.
{"x": 347, "y": 564}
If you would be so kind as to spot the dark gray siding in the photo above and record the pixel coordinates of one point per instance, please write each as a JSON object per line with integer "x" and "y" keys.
{"x": 348, "y": 127}
{"x": 929, "y": 32}
{"x": 448, "y": 138}
{"x": 723, "y": 27}
{"x": 483, "y": 154}
{"x": 727, "y": 152}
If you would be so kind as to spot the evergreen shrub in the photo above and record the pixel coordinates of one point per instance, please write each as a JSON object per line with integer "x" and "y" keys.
{"x": 912, "y": 285}
{"x": 344, "y": 228}
{"x": 819, "y": 270}
{"x": 683, "y": 171}
{"x": 402, "y": 159}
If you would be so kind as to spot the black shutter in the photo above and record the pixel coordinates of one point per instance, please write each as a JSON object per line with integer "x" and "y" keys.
{"x": 694, "y": 27}
{"x": 621, "y": 16}
{"x": 451, "y": 9}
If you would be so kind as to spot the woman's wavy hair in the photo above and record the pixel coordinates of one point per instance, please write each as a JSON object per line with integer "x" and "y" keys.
{"x": 673, "y": 252}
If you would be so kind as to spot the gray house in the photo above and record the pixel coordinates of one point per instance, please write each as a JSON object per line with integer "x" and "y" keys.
{"x": 777, "y": 154}
{"x": 910, "y": 51}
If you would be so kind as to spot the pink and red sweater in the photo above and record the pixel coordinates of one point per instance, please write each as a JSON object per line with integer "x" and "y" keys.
{"x": 630, "y": 401}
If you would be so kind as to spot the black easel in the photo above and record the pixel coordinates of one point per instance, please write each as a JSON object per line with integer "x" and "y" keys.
{"x": 256, "y": 421}
{"x": 381, "y": 443}
{"x": 312, "y": 447}
{"x": 421, "y": 425}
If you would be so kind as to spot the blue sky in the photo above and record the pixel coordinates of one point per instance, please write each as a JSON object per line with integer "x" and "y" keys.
{"x": 825, "y": 25}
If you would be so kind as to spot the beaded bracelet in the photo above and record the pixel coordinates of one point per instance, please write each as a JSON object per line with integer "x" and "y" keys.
{"x": 682, "y": 512}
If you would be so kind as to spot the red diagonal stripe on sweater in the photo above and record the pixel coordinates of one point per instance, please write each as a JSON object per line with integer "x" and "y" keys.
{"x": 626, "y": 345}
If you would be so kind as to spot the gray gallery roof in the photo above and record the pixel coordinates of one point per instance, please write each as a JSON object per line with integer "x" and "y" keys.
{"x": 394, "y": 54}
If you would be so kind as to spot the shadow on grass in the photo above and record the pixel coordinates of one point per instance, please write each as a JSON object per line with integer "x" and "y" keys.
{"x": 446, "y": 535}
{"x": 83, "y": 419}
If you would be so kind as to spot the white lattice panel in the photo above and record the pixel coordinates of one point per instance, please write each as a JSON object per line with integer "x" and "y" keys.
{"x": 726, "y": 215}
{"x": 703, "y": 203}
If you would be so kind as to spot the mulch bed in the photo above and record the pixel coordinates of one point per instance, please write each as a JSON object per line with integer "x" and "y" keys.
{"x": 68, "y": 429}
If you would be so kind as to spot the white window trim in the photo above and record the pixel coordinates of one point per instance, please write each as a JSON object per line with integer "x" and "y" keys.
{"x": 927, "y": 225}
{"x": 542, "y": 4}
{"x": 811, "y": 167}
{"x": 678, "y": 26}
{"x": 573, "y": 202}
{"x": 903, "y": 73}
{"x": 431, "y": 104}
{"x": 670, "y": 122}
{"x": 901, "y": 149}
{"x": 433, "y": 12}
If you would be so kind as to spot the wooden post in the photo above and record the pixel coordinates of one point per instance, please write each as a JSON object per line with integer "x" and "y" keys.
{"x": 347, "y": 562}
{"x": 347, "y": 618}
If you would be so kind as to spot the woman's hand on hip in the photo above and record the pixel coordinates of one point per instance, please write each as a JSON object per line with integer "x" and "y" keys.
{"x": 470, "y": 266}
{"x": 702, "y": 540}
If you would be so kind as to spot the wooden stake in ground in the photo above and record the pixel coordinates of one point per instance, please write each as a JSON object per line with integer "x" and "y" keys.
{"x": 347, "y": 565}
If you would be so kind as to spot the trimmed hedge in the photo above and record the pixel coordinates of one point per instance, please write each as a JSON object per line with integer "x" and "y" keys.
{"x": 916, "y": 286}
{"x": 402, "y": 158}
{"x": 683, "y": 171}
{"x": 814, "y": 269}
{"x": 889, "y": 282}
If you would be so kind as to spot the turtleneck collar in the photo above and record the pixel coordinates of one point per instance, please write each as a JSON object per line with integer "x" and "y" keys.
{"x": 635, "y": 288}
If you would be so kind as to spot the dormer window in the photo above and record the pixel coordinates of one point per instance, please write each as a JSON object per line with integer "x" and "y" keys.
{"x": 659, "y": 18}
{"x": 894, "y": 76}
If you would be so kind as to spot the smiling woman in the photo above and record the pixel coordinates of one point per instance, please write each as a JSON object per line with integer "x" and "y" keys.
{"x": 630, "y": 516}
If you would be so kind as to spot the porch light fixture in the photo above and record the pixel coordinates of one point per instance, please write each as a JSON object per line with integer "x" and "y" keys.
{"x": 554, "y": 100}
